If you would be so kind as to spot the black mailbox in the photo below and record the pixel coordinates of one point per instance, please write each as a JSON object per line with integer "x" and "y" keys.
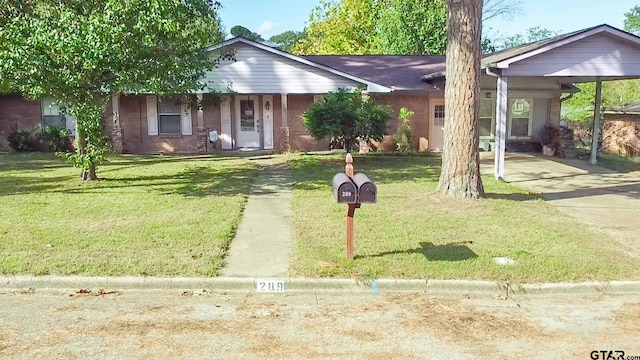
{"x": 367, "y": 192}
{"x": 344, "y": 190}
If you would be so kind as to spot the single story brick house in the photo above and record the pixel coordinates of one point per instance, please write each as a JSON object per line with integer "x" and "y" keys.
{"x": 257, "y": 100}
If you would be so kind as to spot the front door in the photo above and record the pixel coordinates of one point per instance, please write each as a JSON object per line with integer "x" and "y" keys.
{"x": 247, "y": 122}
{"x": 436, "y": 135}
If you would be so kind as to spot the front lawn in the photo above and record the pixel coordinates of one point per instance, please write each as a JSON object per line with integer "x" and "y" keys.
{"x": 160, "y": 215}
{"x": 413, "y": 232}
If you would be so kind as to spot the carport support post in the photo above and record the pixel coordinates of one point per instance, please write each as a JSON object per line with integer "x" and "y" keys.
{"x": 596, "y": 124}
{"x": 351, "y": 209}
{"x": 501, "y": 126}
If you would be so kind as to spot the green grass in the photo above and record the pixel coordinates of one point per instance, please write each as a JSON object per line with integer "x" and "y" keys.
{"x": 413, "y": 232}
{"x": 618, "y": 162}
{"x": 161, "y": 215}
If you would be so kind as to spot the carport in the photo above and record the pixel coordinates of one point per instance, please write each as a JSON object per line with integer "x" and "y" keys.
{"x": 597, "y": 54}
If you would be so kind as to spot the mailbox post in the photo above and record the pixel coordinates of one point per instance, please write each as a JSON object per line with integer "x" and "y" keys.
{"x": 353, "y": 190}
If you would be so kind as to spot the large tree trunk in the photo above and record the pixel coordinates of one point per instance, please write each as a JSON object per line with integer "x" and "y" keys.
{"x": 460, "y": 176}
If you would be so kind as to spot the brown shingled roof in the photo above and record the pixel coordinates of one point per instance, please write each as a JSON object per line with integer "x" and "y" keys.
{"x": 402, "y": 72}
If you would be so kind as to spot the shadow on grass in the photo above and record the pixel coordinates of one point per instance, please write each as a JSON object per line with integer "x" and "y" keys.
{"x": 514, "y": 197}
{"x": 313, "y": 172}
{"x": 198, "y": 182}
{"x": 203, "y": 179}
{"x": 29, "y": 162}
{"x": 456, "y": 251}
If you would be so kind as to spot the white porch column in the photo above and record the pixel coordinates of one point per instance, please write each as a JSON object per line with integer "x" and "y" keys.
{"x": 116, "y": 136}
{"x": 284, "y": 124}
{"x": 200, "y": 107}
{"x": 596, "y": 123}
{"x": 284, "y": 98}
{"x": 501, "y": 126}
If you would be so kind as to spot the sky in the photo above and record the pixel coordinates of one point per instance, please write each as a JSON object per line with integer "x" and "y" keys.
{"x": 273, "y": 17}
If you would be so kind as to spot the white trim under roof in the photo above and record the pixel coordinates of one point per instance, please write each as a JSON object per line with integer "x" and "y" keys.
{"x": 371, "y": 86}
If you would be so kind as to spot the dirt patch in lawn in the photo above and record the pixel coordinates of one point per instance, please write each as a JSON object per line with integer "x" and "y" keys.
{"x": 451, "y": 320}
{"x": 628, "y": 318}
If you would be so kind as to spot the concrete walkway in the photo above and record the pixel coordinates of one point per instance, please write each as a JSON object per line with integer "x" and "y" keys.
{"x": 264, "y": 242}
{"x": 598, "y": 196}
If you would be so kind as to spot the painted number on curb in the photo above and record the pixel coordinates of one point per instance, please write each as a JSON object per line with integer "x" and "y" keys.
{"x": 267, "y": 286}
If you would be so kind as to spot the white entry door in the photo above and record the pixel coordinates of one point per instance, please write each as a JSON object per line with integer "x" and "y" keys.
{"x": 267, "y": 121}
{"x": 247, "y": 122}
{"x": 436, "y": 135}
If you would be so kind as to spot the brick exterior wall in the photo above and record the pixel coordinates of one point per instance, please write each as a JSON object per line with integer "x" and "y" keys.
{"x": 133, "y": 132}
{"x": 135, "y": 138}
{"x": 419, "y": 104}
{"x": 299, "y": 138}
{"x": 17, "y": 112}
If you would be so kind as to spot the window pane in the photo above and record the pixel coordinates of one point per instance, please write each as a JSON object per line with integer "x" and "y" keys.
{"x": 520, "y": 127}
{"x": 438, "y": 115}
{"x": 50, "y": 107}
{"x": 169, "y": 106}
{"x": 169, "y": 124}
{"x": 247, "y": 115}
{"x": 55, "y": 121}
{"x": 485, "y": 126}
{"x": 486, "y": 108}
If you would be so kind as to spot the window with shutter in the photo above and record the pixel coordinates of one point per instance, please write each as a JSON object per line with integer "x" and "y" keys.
{"x": 169, "y": 115}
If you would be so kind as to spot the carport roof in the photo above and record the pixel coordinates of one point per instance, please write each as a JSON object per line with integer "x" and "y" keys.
{"x": 517, "y": 56}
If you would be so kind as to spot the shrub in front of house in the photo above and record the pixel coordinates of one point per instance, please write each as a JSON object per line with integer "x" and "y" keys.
{"x": 404, "y": 135}
{"x": 40, "y": 138}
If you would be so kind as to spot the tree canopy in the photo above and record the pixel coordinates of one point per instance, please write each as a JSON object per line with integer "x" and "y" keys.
{"x": 80, "y": 52}
{"x": 632, "y": 20}
{"x": 246, "y": 33}
{"x": 532, "y": 34}
{"x": 389, "y": 27}
{"x": 287, "y": 40}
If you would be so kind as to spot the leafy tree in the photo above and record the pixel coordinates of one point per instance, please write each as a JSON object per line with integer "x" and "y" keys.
{"x": 287, "y": 40}
{"x": 245, "y": 33}
{"x": 346, "y": 117}
{"x": 412, "y": 27}
{"x": 532, "y": 34}
{"x": 384, "y": 26}
{"x": 460, "y": 175}
{"x": 340, "y": 27}
{"x": 80, "y": 52}
{"x": 579, "y": 108}
{"x": 632, "y": 20}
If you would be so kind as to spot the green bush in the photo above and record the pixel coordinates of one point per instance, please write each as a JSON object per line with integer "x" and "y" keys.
{"x": 23, "y": 140}
{"x": 344, "y": 117}
{"x": 40, "y": 138}
{"x": 404, "y": 135}
{"x": 57, "y": 138}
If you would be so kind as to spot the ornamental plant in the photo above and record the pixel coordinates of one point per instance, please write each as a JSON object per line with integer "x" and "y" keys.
{"x": 346, "y": 117}
{"x": 404, "y": 135}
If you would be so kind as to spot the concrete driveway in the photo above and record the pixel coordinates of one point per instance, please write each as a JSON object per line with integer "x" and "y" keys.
{"x": 600, "y": 197}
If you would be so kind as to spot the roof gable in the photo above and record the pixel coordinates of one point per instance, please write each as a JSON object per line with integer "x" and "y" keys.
{"x": 503, "y": 59}
{"x": 282, "y": 62}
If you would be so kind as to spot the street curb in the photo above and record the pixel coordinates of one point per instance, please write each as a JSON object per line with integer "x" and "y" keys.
{"x": 72, "y": 283}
